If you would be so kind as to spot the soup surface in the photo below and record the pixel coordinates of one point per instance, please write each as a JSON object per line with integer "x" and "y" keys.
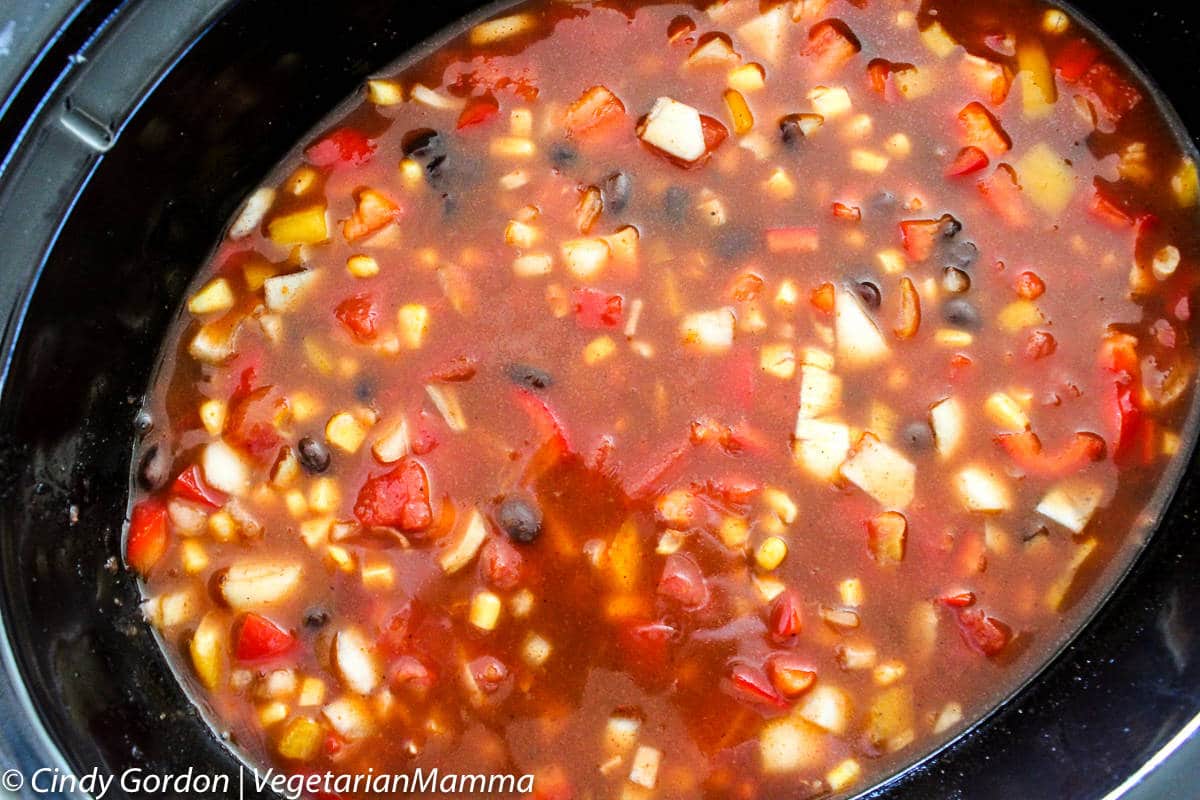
{"x": 671, "y": 401}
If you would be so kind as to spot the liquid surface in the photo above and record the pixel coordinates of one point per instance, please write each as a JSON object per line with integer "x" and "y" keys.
{"x": 674, "y": 402}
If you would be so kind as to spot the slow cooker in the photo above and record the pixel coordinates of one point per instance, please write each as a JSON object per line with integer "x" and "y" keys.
{"x": 129, "y": 133}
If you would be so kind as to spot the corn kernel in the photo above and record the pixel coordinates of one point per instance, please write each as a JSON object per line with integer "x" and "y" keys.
{"x": 1055, "y": 21}
{"x": 735, "y": 532}
{"x": 383, "y": 92}
{"x": 378, "y": 576}
{"x": 296, "y": 503}
{"x": 361, "y": 266}
{"x": 781, "y": 503}
{"x": 898, "y": 145}
{"x": 485, "y": 611}
{"x": 412, "y": 175}
{"x": 345, "y": 431}
{"x": 315, "y": 531}
{"x": 1185, "y": 183}
{"x": 780, "y": 185}
{"x": 888, "y": 672}
{"x": 324, "y": 496}
{"x": 771, "y": 553}
{"x": 788, "y": 294}
{"x": 829, "y": 101}
{"x": 868, "y": 161}
{"x": 272, "y": 713}
{"x": 1006, "y": 412}
{"x": 216, "y": 295}
{"x": 520, "y": 123}
{"x": 303, "y": 406}
{"x": 414, "y": 324}
{"x": 212, "y": 416}
{"x": 851, "y": 592}
{"x": 892, "y": 261}
{"x": 843, "y": 775}
{"x": 312, "y": 692}
{"x": 192, "y": 556}
{"x": 533, "y": 265}
{"x": 317, "y": 356}
{"x": 341, "y": 557}
{"x": 512, "y": 147}
{"x": 598, "y": 349}
{"x": 222, "y": 526}
{"x": 947, "y": 337}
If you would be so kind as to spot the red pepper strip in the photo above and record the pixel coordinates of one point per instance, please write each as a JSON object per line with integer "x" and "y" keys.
{"x": 1002, "y": 192}
{"x": 796, "y": 239}
{"x": 983, "y": 633}
{"x": 1106, "y": 210}
{"x": 1075, "y": 58}
{"x": 1026, "y": 450}
{"x": 478, "y": 110}
{"x": 147, "y": 535}
{"x": 750, "y": 684}
{"x": 919, "y": 236}
{"x": 259, "y": 638}
{"x": 958, "y": 599}
{"x": 979, "y": 127}
{"x": 190, "y": 485}
{"x": 969, "y": 159}
{"x": 342, "y": 147}
{"x": 596, "y": 109}
{"x": 547, "y": 422}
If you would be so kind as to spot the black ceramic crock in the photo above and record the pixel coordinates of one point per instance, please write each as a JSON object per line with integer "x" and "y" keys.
{"x": 127, "y": 144}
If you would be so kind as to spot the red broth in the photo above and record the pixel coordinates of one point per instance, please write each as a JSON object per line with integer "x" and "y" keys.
{"x": 669, "y": 401}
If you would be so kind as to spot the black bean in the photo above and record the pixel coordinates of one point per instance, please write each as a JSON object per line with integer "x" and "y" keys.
{"x": 675, "y": 203}
{"x": 364, "y": 390}
{"x": 1035, "y": 531}
{"x": 314, "y": 455}
{"x": 435, "y": 168}
{"x": 949, "y": 227}
{"x": 316, "y": 619}
{"x": 617, "y": 190}
{"x": 154, "y": 468}
{"x": 529, "y": 377}
{"x": 143, "y": 423}
{"x": 563, "y": 155}
{"x": 955, "y": 281}
{"x": 961, "y": 254}
{"x": 421, "y": 143}
{"x": 917, "y": 436}
{"x": 449, "y": 205}
{"x": 869, "y": 293}
{"x": 734, "y": 243}
{"x": 520, "y": 518}
{"x": 962, "y": 314}
{"x": 883, "y": 202}
{"x": 791, "y": 128}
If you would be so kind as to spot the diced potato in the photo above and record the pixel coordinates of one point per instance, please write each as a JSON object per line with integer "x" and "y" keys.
{"x": 948, "y": 422}
{"x": 307, "y": 226}
{"x": 384, "y": 92}
{"x": 1057, "y": 592}
{"x": 445, "y": 400}
{"x": 829, "y": 102}
{"x": 947, "y": 717}
{"x": 1006, "y": 412}
{"x": 646, "y": 762}
{"x": 624, "y": 244}
{"x": 394, "y": 441}
{"x": 350, "y": 717}
{"x": 828, "y": 707}
{"x": 844, "y": 775}
{"x": 890, "y": 718}
{"x": 361, "y": 266}
{"x": 781, "y": 503}
{"x": 301, "y": 739}
{"x": 788, "y": 745}
{"x": 747, "y": 78}
{"x": 1072, "y": 503}
{"x": 882, "y": 472}
{"x": 820, "y": 392}
{"x": 192, "y": 557}
{"x": 859, "y": 341}
{"x": 413, "y": 324}
{"x": 598, "y": 350}
{"x": 378, "y": 576}
{"x": 253, "y": 210}
{"x": 674, "y": 128}
{"x": 287, "y": 292}
{"x": 346, "y": 431}
{"x": 982, "y": 491}
{"x": 1018, "y": 315}
{"x": 354, "y": 661}
{"x": 428, "y": 97}
{"x": 1165, "y": 262}
{"x": 898, "y": 145}
{"x": 821, "y": 447}
{"x": 485, "y": 611}
{"x": 710, "y": 331}
{"x": 765, "y": 34}
{"x": 312, "y": 692}
{"x": 621, "y": 733}
{"x": 533, "y": 265}
{"x": 249, "y": 585}
{"x": 939, "y": 42}
{"x": 212, "y": 344}
{"x": 224, "y": 469}
{"x": 213, "y": 297}
{"x": 734, "y": 532}
{"x": 497, "y": 30}
{"x": 586, "y": 258}
{"x": 887, "y": 537}
{"x": 1046, "y": 178}
{"x": 854, "y": 656}
{"x": 778, "y": 360}
{"x": 207, "y": 649}
{"x": 715, "y": 51}
{"x": 212, "y": 416}
{"x": 521, "y": 234}
{"x": 464, "y": 543}
{"x": 868, "y": 161}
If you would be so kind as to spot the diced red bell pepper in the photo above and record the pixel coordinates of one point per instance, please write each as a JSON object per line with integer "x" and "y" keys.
{"x": 981, "y": 632}
{"x": 1115, "y": 95}
{"x": 683, "y": 582}
{"x": 960, "y": 366}
{"x": 259, "y": 638}
{"x": 341, "y": 147}
{"x": 794, "y": 239}
{"x": 920, "y": 236}
{"x": 500, "y": 563}
{"x": 785, "y": 620}
{"x": 1125, "y": 420}
{"x": 1074, "y": 59}
{"x": 396, "y": 499}
{"x": 359, "y": 315}
{"x": 147, "y": 539}
{"x": 831, "y": 44}
{"x": 751, "y": 685}
{"x": 190, "y": 485}
{"x": 847, "y": 213}
{"x": 791, "y": 674}
{"x": 595, "y": 308}
{"x": 478, "y": 110}
{"x": 374, "y": 211}
{"x": 957, "y": 599}
{"x": 250, "y": 423}
{"x": 1107, "y": 210}
{"x": 597, "y": 110}
{"x": 1118, "y": 353}
{"x": 1029, "y": 286}
{"x": 980, "y": 128}
{"x": 714, "y": 134}
{"x": 823, "y": 297}
{"x": 1026, "y": 450}
{"x": 969, "y": 159}
{"x": 1002, "y": 193}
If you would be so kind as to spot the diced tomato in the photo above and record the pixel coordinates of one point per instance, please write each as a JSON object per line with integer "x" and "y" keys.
{"x": 646, "y": 646}
{"x": 595, "y": 308}
{"x": 795, "y": 239}
{"x": 983, "y": 633}
{"x": 1026, "y": 450}
{"x": 714, "y": 134}
{"x": 848, "y": 213}
{"x": 341, "y": 147}
{"x": 359, "y": 315}
{"x": 980, "y": 128}
{"x": 1074, "y": 59}
{"x": 958, "y": 599}
{"x": 969, "y": 159}
{"x": 396, "y": 499}
{"x": 920, "y": 236}
{"x": 1107, "y": 210}
{"x": 500, "y": 563}
{"x": 791, "y": 674}
{"x": 784, "y": 620}
{"x": 960, "y": 365}
{"x": 596, "y": 111}
{"x": 374, "y": 211}
{"x": 823, "y": 298}
{"x": 545, "y": 419}
{"x": 250, "y": 423}
{"x": 1115, "y": 95}
{"x": 751, "y": 685}
{"x": 831, "y": 44}
{"x": 478, "y": 110}
{"x": 1001, "y": 191}
{"x": 147, "y": 539}
{"x": 683, "y": 582}
{"x": 190, "y": 485}
{"x": 259, "y": 638}
{"x": 1039, "y": 345}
